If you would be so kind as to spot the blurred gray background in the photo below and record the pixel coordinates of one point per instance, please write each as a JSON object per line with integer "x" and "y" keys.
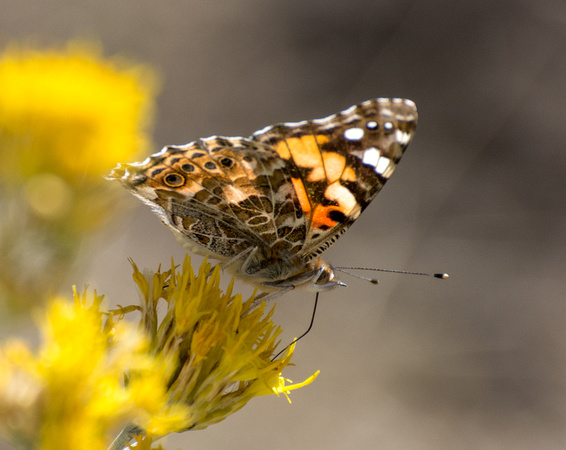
{"x": 477, "y": 361}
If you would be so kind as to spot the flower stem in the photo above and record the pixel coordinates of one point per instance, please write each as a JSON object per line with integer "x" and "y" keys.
{"x": 125, "y": 437}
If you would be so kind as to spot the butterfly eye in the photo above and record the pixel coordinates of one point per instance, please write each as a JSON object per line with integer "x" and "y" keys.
{"x": 174, "y": 180}
{"x": 323, "y": 276}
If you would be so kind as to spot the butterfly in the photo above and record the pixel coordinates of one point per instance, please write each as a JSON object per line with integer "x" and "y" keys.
{"x": 267, "y": 206}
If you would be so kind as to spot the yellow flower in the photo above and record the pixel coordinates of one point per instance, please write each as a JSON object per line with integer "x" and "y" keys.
{"x": 224, "y": 350}
{"x": 65, "y": 117}
{"x": 72, "y": 394}
{"x": 71, "y": 112}
{"x": 21, "y": 394}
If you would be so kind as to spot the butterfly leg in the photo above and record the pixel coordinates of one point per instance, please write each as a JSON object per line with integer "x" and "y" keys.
{"x": 225, "y": 264}
{"x": 266, "y": 297}
{"x": 244, "y": 267}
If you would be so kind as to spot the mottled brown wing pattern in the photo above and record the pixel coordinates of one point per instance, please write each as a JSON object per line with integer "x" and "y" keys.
{"x": 338, "y": 164}
{"x": 221, "y": 196}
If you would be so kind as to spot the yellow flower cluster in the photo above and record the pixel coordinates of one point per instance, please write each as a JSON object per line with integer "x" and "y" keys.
{"x": 224, "y": 348}
{"x": 71, "y": 394}
{"x": 65, "y": 117}
{"x": 204, "y": 359}
{"x": 71, "y": 113}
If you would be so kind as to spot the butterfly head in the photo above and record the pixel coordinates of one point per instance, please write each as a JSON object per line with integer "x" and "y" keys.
{"x": 324, "y": 278}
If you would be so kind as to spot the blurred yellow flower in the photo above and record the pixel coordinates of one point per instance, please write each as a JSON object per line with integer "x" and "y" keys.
{"x": 72, "y": 393}
{"x": 71, "y": 112}
{"x": 65, "y": 117}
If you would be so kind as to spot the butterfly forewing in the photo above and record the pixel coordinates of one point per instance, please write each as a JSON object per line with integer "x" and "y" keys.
{"x": 338, "y": 164}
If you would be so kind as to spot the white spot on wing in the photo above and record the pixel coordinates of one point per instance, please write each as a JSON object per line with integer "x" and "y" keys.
{"x": 342, "y": 196}
{"x": 401, "y": 137}
{"x": 143, "y": 163}
{"x": 160, "y": 152}
{"x": 382, "y": 166}
{"x": 354, "y": 134}
{"x": 371, "y": 157}
{"x": 349, "y": 110}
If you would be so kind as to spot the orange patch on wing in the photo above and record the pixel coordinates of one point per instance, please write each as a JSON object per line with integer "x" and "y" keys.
{"x": 334, "y": 165}
{"x": 347, "y": 206}
{"x": 349, "y": 174}
{"x": 283, "y": 150}
{"x": 320, "y": 219}
{"x": 302, "y": 195}
{"x": 304, "y": 150}
{"x": 331, "y": 169}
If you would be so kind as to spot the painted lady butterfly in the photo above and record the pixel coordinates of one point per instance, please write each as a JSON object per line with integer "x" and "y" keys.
{"x": 267, "y": 206}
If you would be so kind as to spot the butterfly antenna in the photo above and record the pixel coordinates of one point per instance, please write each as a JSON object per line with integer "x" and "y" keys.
{"x": 442, "y": 276}
{"x": 305, "y": 333}
{"x": 341, "y": 269}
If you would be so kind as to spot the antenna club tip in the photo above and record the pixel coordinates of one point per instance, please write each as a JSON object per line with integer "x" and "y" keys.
{"x": 374, "y": 281}
{"x": 442, "y": 276}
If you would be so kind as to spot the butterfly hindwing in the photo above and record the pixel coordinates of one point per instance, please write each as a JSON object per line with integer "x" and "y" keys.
{"x": 222, "y": 196}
